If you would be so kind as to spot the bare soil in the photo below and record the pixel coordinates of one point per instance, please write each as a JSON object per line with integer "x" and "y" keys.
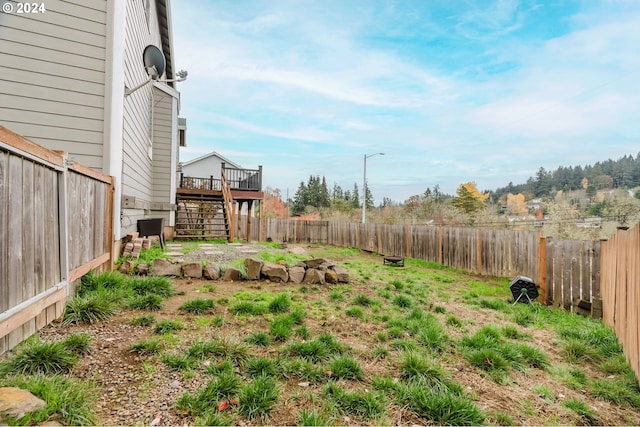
{"x": 141, "y": 390}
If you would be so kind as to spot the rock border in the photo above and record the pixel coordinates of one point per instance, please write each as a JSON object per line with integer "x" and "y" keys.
{"x": 312, "y": 271}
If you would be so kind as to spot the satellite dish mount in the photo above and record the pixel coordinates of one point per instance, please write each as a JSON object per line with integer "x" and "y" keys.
{"x": 155, "y": 65}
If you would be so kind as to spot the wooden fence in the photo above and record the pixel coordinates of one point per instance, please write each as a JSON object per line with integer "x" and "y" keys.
{"x": 601, "y": 278}
{"x": 566, "y": 270}
{"x": 55, "y": 225}
{"x": 620, "y": 277}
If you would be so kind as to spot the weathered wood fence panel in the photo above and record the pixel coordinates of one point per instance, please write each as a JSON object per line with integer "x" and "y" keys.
{"x": 572, "y": 273}
{"x": 30, "y": 253}
{"x": 620, "y": 284}
{"x": 42, "y": 200}
{"x": 490, "y": 252}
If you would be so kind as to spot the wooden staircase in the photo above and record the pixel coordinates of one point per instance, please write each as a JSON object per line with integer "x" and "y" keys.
{"x": 206, "y": 215}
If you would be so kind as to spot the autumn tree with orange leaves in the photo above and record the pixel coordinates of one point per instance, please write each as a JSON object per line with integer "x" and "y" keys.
{"x": 272, "y": 205}
{"x": 469, "y": 200}
{"x": 516, "y": 204}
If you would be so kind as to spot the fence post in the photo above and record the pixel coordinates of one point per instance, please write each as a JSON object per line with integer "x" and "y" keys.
{"x": 542, "y": 268}
{"x": 63, "y": 223}
{"x": 479, "y": 251}
{"x": 440, "y": 245}
{"x": 406, "y": 241}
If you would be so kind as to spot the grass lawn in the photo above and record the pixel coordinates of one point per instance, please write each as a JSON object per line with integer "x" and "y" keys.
{"x": 417, "y": 345}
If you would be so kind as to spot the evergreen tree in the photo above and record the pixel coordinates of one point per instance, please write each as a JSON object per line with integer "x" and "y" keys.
{"x": 355, "y": 197}
{"x": 368, "y": 196}
{"x": 299, "y": 200}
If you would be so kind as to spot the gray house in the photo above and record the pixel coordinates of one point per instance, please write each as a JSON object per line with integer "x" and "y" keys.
{"x": 66, "y": 80}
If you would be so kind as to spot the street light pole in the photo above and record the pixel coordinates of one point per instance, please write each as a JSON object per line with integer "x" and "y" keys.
{"x": 364, "y": 187}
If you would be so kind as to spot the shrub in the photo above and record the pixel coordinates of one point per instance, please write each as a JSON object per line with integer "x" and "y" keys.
{"x": 312, "y": 418}
{"x": 150, "y": 302}
{"x": 249, "y": 307}
{"x": 345, "y": 367}
{"x": 260, "y": 366}
{"x": 281, "y": 328}
{"x": 443, "y": 407}
{"x": 167, "y": 326}
{"x": 197, "y": 306}
{"x": 77, "y": 343}
{"x": 146, "y": 347}
{"x": 583, "y": 410}
{"x": 225, "y": 386}
{"x": 41, "y": 358}
{"x": 356, "y": 312}
{"x": 363, "y": 300}
{"x": 280, "y": 304}
{"x": 91, "y": 281}
{"x": 365, "y": 405}
{"x": 490, "y": 360}
{"x": 200, "y": 350}
{"x": 403, "y": 301}
{"x": 258, "y": 398}
{"x": 259, "y": 338}
{"x": 88, "y": 309}
{"x": 156, "y": 285}
{"x": 143, "y": 320}
{"x": 312, "y": 351}
{"x": 177, "y": 362}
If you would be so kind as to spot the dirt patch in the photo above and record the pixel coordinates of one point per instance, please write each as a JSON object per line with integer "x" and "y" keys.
{"x": 134, "y": 389}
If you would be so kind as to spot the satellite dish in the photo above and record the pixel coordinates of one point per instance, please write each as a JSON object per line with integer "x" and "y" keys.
{"x": 154, "y": 61}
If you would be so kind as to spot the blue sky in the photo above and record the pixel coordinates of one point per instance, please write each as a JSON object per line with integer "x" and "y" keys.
{"x": 450, "y": 91}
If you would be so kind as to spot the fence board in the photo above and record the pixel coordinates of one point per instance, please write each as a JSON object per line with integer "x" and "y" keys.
{"x": 4, "y": 229}
{"x": 28, "y": 241}
{"x": 39, "y": 230}
{"x": 30, "y": 232}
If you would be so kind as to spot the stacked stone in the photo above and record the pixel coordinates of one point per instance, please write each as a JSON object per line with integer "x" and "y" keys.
{"x": 313, "y": 271}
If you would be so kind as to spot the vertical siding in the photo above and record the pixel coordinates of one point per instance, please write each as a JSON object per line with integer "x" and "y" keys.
{"x": 53, "y": 72}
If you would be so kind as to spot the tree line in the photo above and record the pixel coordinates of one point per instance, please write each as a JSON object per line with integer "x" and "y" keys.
{"x": 621, "y": 173}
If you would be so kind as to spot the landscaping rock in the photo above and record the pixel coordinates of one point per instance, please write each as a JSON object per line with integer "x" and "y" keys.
{"x": 254, "y": 267}
{"x": 162, "y": 267}
{"x": 15, "y": 402}
{"x": 232, "y": 274}
{"x": 315, "y": 263}
{"x": 313, "y": 276}
{"x": 331, "y": 276}
{"x": 142, "y": 269}
{"x": 275, "y": 272}
{"x": 211, "y": 271}
{"x": 296, "y": 274}
{"x": 126, "y": 267}
{"x": 192, "y": 270}
{"x": 343, "y": 274}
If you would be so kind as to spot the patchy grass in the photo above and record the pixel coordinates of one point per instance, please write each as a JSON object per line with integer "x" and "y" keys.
{"x": 198, "y": 306}
{"x": 425, "y": 343}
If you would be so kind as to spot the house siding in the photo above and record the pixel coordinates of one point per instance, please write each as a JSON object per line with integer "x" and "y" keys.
{"x": 137, "y": 173}
{"x": 164, "y": 150}
{"x": 139, "y": 188}
{"x": 53, "y": 77}
{"x": 210, "y": 166}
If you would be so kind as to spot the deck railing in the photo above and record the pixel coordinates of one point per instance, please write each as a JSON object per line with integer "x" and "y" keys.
{"x": 238, "y": 179}
{"x": 193, "y": 183}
